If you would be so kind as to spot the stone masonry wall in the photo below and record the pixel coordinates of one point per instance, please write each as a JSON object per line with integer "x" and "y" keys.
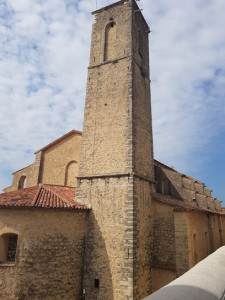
{"x": 142, "y": 120}
{"x": 106, "y": 121}
{"x": 142, "y": 156}
{"x": 56, "y": 158}
{"x": 31, "y": 174}
{"x": 116, "y": 152}
{"x": 222, "y": 222}
{"x": 198, "y": 237}
{"x": 143, "y": 238}
{"x": 164, "y": 250}
{"x": 49, "y": 259}
{"x": 58, "y": 164}
{"x": 185, "y": 188}
{"x": 181, "y": 243}
{"x": 105, "y": 181}
{"x": 109, "y": 239}
{"x": 217, "y": 232}
{"x": 161, "y": 277}
{"x": 106, "y": 146}
{"x": 205, "y": 235}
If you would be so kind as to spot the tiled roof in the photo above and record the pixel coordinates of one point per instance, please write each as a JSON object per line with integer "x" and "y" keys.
{"x": 44, "y": 195}
{"x": 182, "y": 206}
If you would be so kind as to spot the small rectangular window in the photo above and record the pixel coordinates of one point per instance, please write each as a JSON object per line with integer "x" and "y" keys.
{"x": 97, "y": 283}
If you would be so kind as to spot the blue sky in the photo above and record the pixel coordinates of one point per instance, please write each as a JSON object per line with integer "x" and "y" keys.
{"x": 44, "y": 54}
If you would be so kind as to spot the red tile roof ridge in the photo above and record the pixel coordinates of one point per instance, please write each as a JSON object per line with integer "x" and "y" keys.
{"x": 18, "y": 198}
{"x": 41, "y": 196}
{"x": 36, "y": 196}
{"x": 59, "y": 197}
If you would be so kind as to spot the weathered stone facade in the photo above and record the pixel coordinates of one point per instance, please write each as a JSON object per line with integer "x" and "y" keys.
{"x": 49, "y": 259}
{"x": 183, "y": 187}
{"x": 116, "y": 169}
{"x": 56, "y": 163}
{"x": 183, "y": 235}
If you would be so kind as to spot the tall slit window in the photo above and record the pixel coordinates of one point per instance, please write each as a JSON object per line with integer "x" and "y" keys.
{"x": 8, "y": 247}
{"x": 140, "y": 45}
{"x": 195, "y": 253}
{"x": 110, "y": 41}
{"x": 206, "y": 243}
{"x": 12, "y": 245}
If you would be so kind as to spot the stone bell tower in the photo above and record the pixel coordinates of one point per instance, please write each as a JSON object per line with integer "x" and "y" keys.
{"x": 116, "y": 175}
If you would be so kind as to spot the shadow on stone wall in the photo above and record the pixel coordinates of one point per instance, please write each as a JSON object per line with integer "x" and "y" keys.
{"x": 169, "y": 188}
{"x": 50, "y": 268}
{"x": 97, "y": 270}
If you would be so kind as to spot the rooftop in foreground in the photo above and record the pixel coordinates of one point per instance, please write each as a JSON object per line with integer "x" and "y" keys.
{"x": 42, "y": 196}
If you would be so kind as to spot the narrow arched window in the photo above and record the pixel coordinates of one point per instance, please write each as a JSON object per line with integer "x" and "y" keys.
{"x": 8, "y": 247}
{"x": 140, "y": 44}
{"x": 110, "y": 41}
{"x": 195, "y": 249}
{"x": 206, "y": 244}
{"x": 71, "y": 173}
{"x": 22, "y": 182}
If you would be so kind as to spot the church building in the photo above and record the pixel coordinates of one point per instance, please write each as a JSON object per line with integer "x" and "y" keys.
{"x": 95, "y": 217}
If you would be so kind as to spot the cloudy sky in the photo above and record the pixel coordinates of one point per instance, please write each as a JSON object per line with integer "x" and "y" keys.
{"x": 44, "y": 54}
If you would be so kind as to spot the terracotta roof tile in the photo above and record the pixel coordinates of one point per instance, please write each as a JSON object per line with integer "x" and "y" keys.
{"x": 183, "y": 206}
{"x": 44, "y": 195}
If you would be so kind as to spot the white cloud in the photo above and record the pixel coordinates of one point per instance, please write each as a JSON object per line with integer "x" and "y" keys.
{"x": 186, "y": 49}
{"x": 43, "y": 68}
